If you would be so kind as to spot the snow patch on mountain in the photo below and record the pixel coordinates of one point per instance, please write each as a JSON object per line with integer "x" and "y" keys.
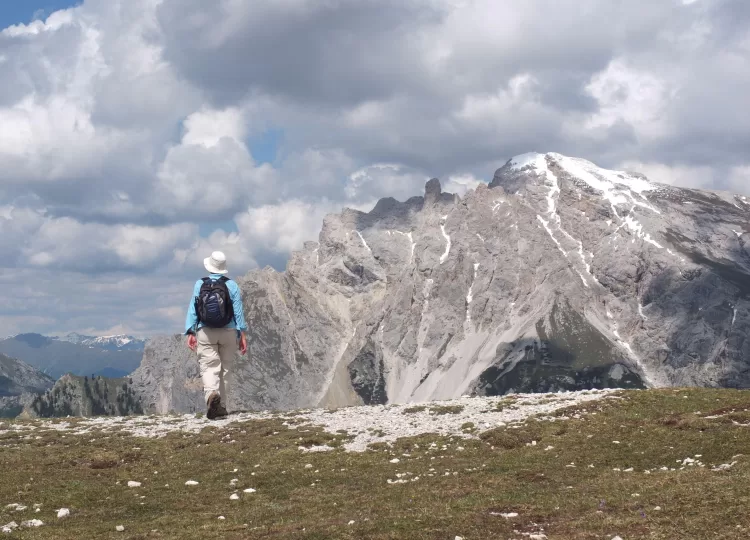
{"x": 637, "y": 228}
{"x": 363, "y": 241}
{"x": 444, "y": 256}
{"x": 470, "y": 298}
{"x": 411, "y": 241}
{"x": 545, "y": 223}
{"x": 538, "y": 162}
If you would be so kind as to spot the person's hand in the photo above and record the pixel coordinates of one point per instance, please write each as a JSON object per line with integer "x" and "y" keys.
{"x": 243, "y": 344}
{"x": 192, "y": 342}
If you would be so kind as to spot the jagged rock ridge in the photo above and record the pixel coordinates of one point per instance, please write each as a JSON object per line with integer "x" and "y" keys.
{"x": 558, "y": 275}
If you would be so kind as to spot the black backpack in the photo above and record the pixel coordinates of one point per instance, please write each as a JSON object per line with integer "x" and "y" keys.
{"x": 213, "y": 305}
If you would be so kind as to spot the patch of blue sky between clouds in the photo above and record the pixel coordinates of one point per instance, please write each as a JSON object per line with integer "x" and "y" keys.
{"x": 265, "y": 147}
{"x": 14, "y": 12}
{"x": 207, "y": 227}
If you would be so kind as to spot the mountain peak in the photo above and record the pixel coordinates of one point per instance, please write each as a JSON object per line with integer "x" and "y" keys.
{"x": 620, "y": 190}
{"x": 432, "y": 191}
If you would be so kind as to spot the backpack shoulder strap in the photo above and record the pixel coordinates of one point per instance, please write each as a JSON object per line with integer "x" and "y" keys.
{"x": 224, "y": 280}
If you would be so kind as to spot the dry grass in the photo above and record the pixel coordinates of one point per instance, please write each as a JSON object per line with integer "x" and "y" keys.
{"x": 509, "y": 403}
{"x": 446, "y": 409}
{"x": 415, "y": 409}
{"x": 551, "y": 489}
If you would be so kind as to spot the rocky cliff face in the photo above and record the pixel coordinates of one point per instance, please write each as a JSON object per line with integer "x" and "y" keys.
{"x": 558, "y": 275}
{"x": 17, "y": 377}
{"x": 168, "y": 379}
{"x": 18, "y": 383}
{"x": 84, "y": 396}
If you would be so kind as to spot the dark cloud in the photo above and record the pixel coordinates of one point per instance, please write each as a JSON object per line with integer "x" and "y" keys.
{"x": 335, "y": 53}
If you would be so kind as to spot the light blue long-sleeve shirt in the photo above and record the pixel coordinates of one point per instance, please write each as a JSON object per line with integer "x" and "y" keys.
{"x": 191, "y": 322}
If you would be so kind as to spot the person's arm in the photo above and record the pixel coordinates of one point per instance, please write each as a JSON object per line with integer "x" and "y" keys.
{"x": 191, "y": 321}
{"x": 239, "y": 316}
{"x": 239, "y": 312}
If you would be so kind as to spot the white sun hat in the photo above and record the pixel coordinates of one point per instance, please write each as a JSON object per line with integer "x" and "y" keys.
{"x": 216, "y": 263}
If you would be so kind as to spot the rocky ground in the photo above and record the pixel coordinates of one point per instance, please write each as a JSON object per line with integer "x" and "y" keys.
{"x": 363, "y": 425}
{"x": 600, "y": 464}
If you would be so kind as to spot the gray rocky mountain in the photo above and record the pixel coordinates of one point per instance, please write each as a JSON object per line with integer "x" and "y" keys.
{"x": 168, "y": 379}
{"x": 18, "y": 382}
{"x": 57, "y": 357}
{"x": 558, "y": 275}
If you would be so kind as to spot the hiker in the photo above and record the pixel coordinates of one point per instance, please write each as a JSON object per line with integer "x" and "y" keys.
{"x": 215, "y": 327}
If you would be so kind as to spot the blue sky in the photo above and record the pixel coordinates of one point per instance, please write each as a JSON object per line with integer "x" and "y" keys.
{"x": 23, "y": 11}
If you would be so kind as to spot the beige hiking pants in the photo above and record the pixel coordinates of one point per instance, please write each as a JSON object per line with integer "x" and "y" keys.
{"x": 216, "y": 350}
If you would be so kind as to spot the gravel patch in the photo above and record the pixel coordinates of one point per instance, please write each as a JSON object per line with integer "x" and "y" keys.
{"x": 366, "y": 424}
{"x": 388, "y": 423}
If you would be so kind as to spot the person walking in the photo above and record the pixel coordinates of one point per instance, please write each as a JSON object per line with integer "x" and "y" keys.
{"x": 215, "y": 329}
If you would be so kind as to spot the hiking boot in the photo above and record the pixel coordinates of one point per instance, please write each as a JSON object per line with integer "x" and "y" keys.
{"x": 221, "y": 411}
{"x": 214, "y": 403}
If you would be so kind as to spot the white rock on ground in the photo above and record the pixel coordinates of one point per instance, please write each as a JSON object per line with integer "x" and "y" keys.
{"x": 119, "y": 528}
{"x": 234, "y": 496}
{"x": 63, "y": 513}
{"x": 32, "y": 523}
{"x": 249, "y": 490}
{"x": 191, "y": 483}
{"x": 9, "y": 527}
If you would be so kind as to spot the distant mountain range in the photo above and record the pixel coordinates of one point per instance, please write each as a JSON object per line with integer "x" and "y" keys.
{"x": 110, "y": 356}
{"x": 120, "y": 342}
